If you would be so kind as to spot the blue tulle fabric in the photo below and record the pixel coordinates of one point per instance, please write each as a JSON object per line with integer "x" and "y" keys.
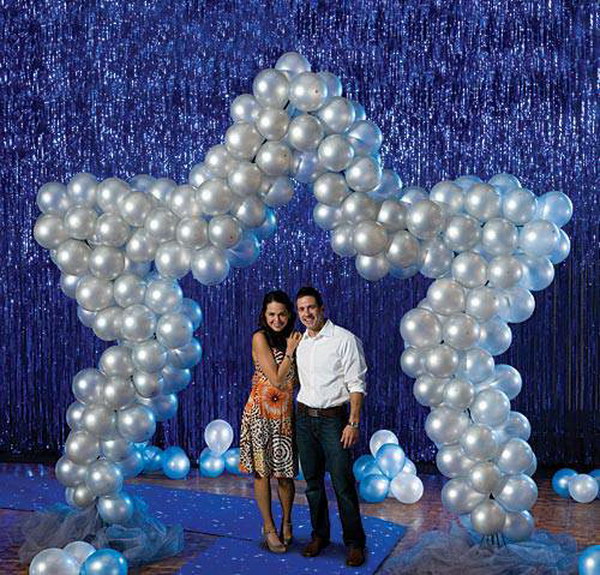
{"x": 143, "y": 539}
{"x": 458, "y": 552}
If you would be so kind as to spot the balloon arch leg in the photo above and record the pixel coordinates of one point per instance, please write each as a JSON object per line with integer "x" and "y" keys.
{"x": 122, "y": 246}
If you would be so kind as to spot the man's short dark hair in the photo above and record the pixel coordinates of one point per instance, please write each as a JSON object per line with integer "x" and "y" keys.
{"x": 312, "y": 292}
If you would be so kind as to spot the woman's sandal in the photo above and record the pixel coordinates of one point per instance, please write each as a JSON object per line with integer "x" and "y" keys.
{"x": 272, "y": 547}
{"x": 286, "y": 540}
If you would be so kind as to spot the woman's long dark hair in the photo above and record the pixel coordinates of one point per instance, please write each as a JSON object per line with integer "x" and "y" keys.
{"x": 277, "y": 339}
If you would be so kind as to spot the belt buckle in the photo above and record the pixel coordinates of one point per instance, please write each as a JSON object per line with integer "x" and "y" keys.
{"x": 313, "y": 412}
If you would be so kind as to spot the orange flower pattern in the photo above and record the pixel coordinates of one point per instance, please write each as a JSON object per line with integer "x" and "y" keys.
{"x": 266, "y": 440}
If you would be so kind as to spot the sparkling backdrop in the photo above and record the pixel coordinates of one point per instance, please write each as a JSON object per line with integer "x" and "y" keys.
{"x": 120, "y": 88}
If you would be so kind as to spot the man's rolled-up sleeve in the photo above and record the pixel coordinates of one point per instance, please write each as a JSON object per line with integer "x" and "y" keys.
{"x": 355, "y": 366}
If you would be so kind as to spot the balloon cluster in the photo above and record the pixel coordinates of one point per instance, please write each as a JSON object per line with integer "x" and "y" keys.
{"x": 387, "y": 471}
{"x": 78, "y": 558}
{"x": 582, "y": 487}
{"x": 218, "y": 456}
{"x": 506, "y": 241}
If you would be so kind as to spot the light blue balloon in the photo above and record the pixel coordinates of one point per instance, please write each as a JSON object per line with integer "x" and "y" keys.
{"x": 268, "y": 227}
{"x": 538, "y": 272}
{"x": 175, "y": 464}
{"x": 153, "y": 459}
{"x": 390, "y": 458}
{"x": 232, "y": 460}
{"x": 517, "y": 304}
{"x": 360, "y": 465}
{"x": 211, "y": 465}
{"x": 589, "y": 561}
{"x": 104, "y": 562}
{"x": 555, "y": 207}
{"x": 562, "y": 250}
{"x": 560, "y": 481}
{"x": 246, "y": 252}
{"x": 374, "y": 488}
{"x": 191, "y": 308}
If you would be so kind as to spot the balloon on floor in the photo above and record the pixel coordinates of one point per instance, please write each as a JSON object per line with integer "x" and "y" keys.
{"x": 122, "y": 246}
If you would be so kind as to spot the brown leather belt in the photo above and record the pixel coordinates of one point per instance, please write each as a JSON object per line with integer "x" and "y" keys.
{"x": 337, "y": 411}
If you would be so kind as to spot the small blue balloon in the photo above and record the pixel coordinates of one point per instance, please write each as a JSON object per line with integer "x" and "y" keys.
{"x": 560, "y": 481}
{"x": 390, "y": 458}
{"x": 176, "y": 464}
{"x": 232, "y": 460}
{"x": 374, "y": 488}
{"x": 191, "y": 308}
{"x": 267, "y": 229}
{"x": 246, "y": 252}
{"x": 153, "y": 459}
{"x": 589, "y": 561}
{"x": 211, "y": 465}
{"x": 104, "y": 562}
{"x": 371, "y": 468}
{"x": 360, "y": 465}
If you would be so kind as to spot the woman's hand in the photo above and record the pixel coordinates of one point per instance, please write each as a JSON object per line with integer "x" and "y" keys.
{"x": 292, "y": 342}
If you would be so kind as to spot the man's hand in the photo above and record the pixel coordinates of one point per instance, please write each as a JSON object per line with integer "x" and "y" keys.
{"x": 349, "y": 436}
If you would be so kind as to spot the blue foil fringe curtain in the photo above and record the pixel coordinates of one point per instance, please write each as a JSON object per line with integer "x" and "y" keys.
{"x": 467, "y": 87}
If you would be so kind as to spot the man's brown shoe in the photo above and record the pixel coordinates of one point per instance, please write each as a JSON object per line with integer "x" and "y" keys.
{"x": 315, "y": 547}
{"x": 355, "y": 556}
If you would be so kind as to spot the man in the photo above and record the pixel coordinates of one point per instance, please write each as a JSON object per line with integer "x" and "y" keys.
{"x": 331, "y": 368}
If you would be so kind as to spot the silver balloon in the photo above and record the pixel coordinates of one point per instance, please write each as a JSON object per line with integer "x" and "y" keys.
{"x": 326, "y": 217}
{"x": 69, "y": 473}
{"x": 424, "y": 219}
{"x": 516, "y": 493}
{"x": 106, "y": 262}
{"x": 412, "y": 361}
{"x": 517, "y": 425}
{"x": 210, "y": 265}
{"x": 99, "y": 421}
{"x": 429, "y": 391}
{"x": 491, "y": 407}
{"x": 163, "y": 296}
{"x": 148, "y": 384}
{"x": 272, "y": 123}
{"x": 483, "y": 202}
{"x": 306, "y": 167}
{"x": 107, "y": 323}
{"x": 141, "y": 247}
{"x": 495, "y": 337}
{"x": 518, "y": 526}
{"x": 335, "y": 153}
{"x": 305, "y": 133}
{"x": 519, "y": 205}
{"x": 308, "y": 91}
{"x": 274, "y": 158}
{"x": 161, "y": 188}
{"x": 135, "y": 207}
{"x": 109, "y": 192}
{"x": 50, "y": 232}
{"x": 174, "y": 330}
{"x": 482, "y": 303}
{"x": 183, "y": 202}
{"x": 215, "y": 197}
{"x": 334, "y": 85}
{"x": 583, "y": 488}
{"x": 149, "y": 356}
{"x": 484, "y": 476}
{"x": 54, "y": 561}
{"x": 292, "y": 63}
{"x": 462, "y": 233}
{"x": 87, "y": 385}
{"x": 479, "y": 443}
{"x": 342, "y": 240}
{"x": 476, "y": 365}
{"x": 279, "y": 193}
{"x": 448, "y": 193}
{"x": 118, "y": 392}
{"x": 52, "y": 199}
{"x": 82, "y": 447}
{"x": 251, "y": 212}
{"x": 79, "y": 496}
{"x": 470, "y": 269}
{"x": 330, "y": 189}
{"x": 459, "y": 497}
{"x": 505, "y": 378}
{"x": 441, "y": 360}
{"x": 72, "y": 257}
{"x": 539, "y": 237}
{"x": 136, "y": 423}
{"x": 515, "y": 457}
{"x": 174, "y": 379}
{"x": 365, "y": 136}
{"x": 133, "y": 465}
{"x": 80, "y": 222}
{"x": 358, "y": 207}
{"x": 244, "y": 108}
{"x": 461, "y": 331}
{"x": 271, "y": 88}
{"x": 74, "y": 415}
{"x": 219, "y": 161}
{"x": 242, "y": 140}
{"x": 116, "y": 360}
{"x": 117, "y": 508}
{"x": 504, "y": 182}
{"x": 173, "y": 260}
{"x": 436, "y": 258}
{"x": 337, "y": 114}
{"x": 392, "y": 214}
{"x": 452, "y": 461}
{"x": 111, "y": 230}
{"x": 186, "y": 356}
{"x": 80, "y": 550}
{"x": 94, "y": 294}
{"x": 104, "y": 478}
{"x": 163, "y": 406}
{"x": 369, "y": 238}
{"x": 224, "y": 231}
{"x": 363, "y": 174}
{"x": 161, "y": 224}
{"x": 117, "y": 449}
{"x": 245, "y": 178}
{"x": 421, "y": 328}
{"x": 192, "y": 232}
{"x": 445, "y": 426}
{"x": 499, "y": 237}
{"x": 488, "y": 518}
{"x": 138, "y": 323}
{"x": 372, "y": 268}
{"x": 404, "y": 250}
{"x": 458, "y": 393}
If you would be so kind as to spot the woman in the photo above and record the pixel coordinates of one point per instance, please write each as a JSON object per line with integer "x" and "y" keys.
{"x": 267, "y": 446}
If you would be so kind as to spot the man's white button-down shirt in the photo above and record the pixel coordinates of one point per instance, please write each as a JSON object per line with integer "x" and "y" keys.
{"x": 331, "y": 365}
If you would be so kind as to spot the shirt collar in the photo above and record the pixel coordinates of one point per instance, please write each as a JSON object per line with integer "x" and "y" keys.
{"x": 326, "y": 331}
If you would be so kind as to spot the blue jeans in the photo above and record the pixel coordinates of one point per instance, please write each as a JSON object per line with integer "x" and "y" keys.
{"x": 320, "y": 450}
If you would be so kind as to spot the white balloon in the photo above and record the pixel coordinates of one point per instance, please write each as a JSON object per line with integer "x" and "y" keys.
{"x": 407, "y": 488}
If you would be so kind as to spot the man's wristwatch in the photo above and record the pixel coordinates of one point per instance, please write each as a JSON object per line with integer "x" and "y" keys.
{"x": 353, "y": 424}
